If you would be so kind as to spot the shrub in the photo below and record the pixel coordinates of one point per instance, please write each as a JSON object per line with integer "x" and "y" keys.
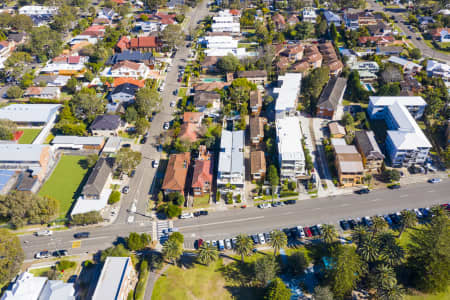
{"x": 14, "y": 92}
{"x": 114, "y": 197}
{"x": 88, "y": 263}
{"x": 170, "y": 210}
{"x": 142, "y": 283}
{"x": 178, "y": 237}
{"x": 43, "y": 100}
{"x": 92, "y": 217}
{"x": 288, "y": 194}
{"x": 65, "y": 265}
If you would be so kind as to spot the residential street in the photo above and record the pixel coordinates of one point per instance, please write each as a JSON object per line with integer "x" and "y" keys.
{"x": 226, "y": 224}
{"x": 426, "y": 51}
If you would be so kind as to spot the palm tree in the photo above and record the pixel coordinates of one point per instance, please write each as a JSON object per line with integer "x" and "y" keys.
{"x": 368, "y": 249}
{"x": 391, "y": 252}
{"x": 207, "y": 254}
{"x": 244, "y": 245}
{"x": 172, "y": 250}
{"x": 278, "y": 240}
{"x": 408, "y": 220}
{"x": 379, "y": 225}
{"x": 359, "y": 233}
{"x": 329, "y": 233}
{"x": 385, "y": 277}
{"x": 394, "y": 293}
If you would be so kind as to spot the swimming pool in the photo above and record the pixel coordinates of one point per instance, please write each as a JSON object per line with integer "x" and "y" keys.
{"x": 208, "y": 80}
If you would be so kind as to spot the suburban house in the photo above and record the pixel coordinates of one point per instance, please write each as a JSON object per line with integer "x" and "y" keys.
{"x": 176, "y": 173}
{"x": 348, "y": 163}
{"x": 191, "y": 124}
{"x": 355, "y": 19}
{"x": 290, "y": 149}
{"x": 336, "y": 130}
{"x": 6, "y": 49}
{"x": 330, "y": 58}
{"x": 379, "y": 29}
{"x": 256, "y": 77}
{"x": 370, "y": 152}
{"x": 408, "y": 67}
{"x": 257, "y": 129}
{"x": 66, "y": 65}
{"x": 116, "y": 280}
{"x": 367, "y": 70}
{"x": 332, "y": 18}
{"x": 279, "y": 21}
{"x": 441, "y": 35}
{"x": 378, "y": 104}
{"x": 376, "y": 40}
{"x": 203, "y": 173}
{"x": 124, "y": 93}
{"x": 309, "y": 15}
{"x": 51, "y": 80}
{"x": 292, "y": 20}
{"x": 438, "y": 69}
{"x": 96, "y": 191}
{"x": 293, "y": 52}
{"x": 207, "y": 102}
{"x": 287, "y": 94}
{"x": 329, "y": 104}
{"x": 38, "y": 10}
{"x": 406, "y": 144}
{"x": 17, "y": 37}
{"x": 48, "y": 92}
{"x": 91, "y": 35}
{"x": 255, "y": 102}
{"x": 129, "y": 69}
{"x": 78, "y": 142}
{"x": 29, "y": 287}
{"x": 133, "y": 56}
{"x": 222, "y": 45}
{"x": 231, "y": 169}
{"x": 144, "y": 43}
{"x": 389, "y": 50}
{"x": 26, "y": 182}
{"x": 121, "y": 80}
{"x": 257, "y": 165}
{"x": 38, "y": 159}
{"x": 106, "y": 125}
{"x": 209, "y": 64}
{"x": 225, "y": 22}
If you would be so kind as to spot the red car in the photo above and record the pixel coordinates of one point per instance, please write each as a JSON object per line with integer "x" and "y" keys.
{"x": 307, "y": 232}
{"x": 199, "y": 243}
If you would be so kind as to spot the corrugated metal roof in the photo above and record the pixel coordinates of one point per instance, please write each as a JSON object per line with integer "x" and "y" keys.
{"x": 40, "y": 113}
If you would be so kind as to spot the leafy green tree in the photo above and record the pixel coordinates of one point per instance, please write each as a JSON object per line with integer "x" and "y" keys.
{"x": 114, "y": 197}
{"x": 347, "y": 119}
{"x": 321, "y": 27}
{"x": 131, "y": 114}
{"x": 142, "y": 125}
{"x": 347, "y": 270}
{"x": 127, "y": 160}
{"x": 228, "y": 63}
{"x": 278, "y": 240}
{"x": 14, "y": 92}
{"x": 172, "y": 250}
{"x": 385, "y": 277}
{"x": 323, "y": 292}
{"x": 7, "y": 129}
{"x": 92, "y": 217}
{"x": 21, "y": 23}
{"x": 12, "y": 256}
{"x": 429, "y": 255}
{"x": 272, "y": 177}
{"x": 44, "y": 43}
{"x": 147, "y": 99}
{"x": 172, "y": 35}
{"x": 91, "y": 160}
{"x": 86, "y": 105}
{"x": 354, "y": 91}
{"x": 329, "y": 233}
{"x": 21, "y": 208}
{"x": 207, "y": 254}
{"x": 115, "y": 251}
{"x": 244, "y": 246}
{"x": 297, "y": 263}
{"x": 390, "y": 250}
{"x": 379, "y": 225}
{"x": 369, "y": 249}
{"x": 136, "y": 241}
{"x": 178, "y": 237}
{"x": 390, "y": 175}
{"x": 277, "y": 290}
{"x": 265, "y": 269}
{"x": 408, "y": 220}
{"x": 16, "y": 62}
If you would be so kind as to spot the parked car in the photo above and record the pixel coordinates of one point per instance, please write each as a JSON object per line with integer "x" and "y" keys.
{"x": 300, "y": 232}
{"x": 126, "y": 189}
{"x": 261, "y": 238}
{"x": 290, "y": 201}
{"x": 388, "y": 220}
{"x": 265, "y": 205}
{"x": 144, "y": 140}
{"x": 363, "y": 191}
{"x": 307, "y": 232}
{"x": 166, "y": 125}
{"x": 199, "y": 243}
{"x": 228, "y": 244}
{"x": 267, "y": 237}
{"x": 352, "y": 223}
{"x": 80, "y": 235}
{"x": 155, "y": 163}
{"x": 344, "y": 225}
{"x": 394, "y": 186}
{"x": 42, "y": 254}
{"x": 233, "y": 242}
{"x": 255, "y": 239}
{"x": 214, "y": 243}
{"x": 434, "y": 180}
{"x": 221, "y": 245}
{"x": 186, "y": 216}
{"x": 60, "y": 253}
{"x": 418, "y": 213}
{"x": 173, "y": 103}
{"x": 425, "y": 211}
{"x": 44, "y": 233}
{"x": 132, "y": 173}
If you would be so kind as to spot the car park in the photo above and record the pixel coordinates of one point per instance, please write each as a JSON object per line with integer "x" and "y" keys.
{"x": 261, "y": 239}
{"x": 434, "y": 180}
{"x": 42, "y": 254}
{"x": 186, "y": 216}
{"x": 418, "y": 213}
{"x": 60, "y": 253}
{"x": 126, "y": 189}
{"x": 307, "y": 232}
{"x": 44, "y": 233}
{"x": 80, "y": 235}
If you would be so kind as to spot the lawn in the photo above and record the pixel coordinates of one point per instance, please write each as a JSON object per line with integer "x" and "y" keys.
{"x": 29, "y": 134}
{"x": 65, "y": 181}
{"x": 199, "y": 282}
{"x": 40, "y": 271}
{"x": 439, "y": 296}
{"x": 202, "y": 201}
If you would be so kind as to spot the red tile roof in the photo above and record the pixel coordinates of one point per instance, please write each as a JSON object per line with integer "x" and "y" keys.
{"x": 202, "y": 173}
{"x": 235, "y": 12}
{"x": 126, "y": 64}
{"x": 143, "y": 42}
{"x": 73, "y": 59}
{"x": 121, "y": 80}
{"x": 123, "y": 43}
{"x": 192, "y": 117}
{"x": 176, "y": 172}
{"x": 188, "y": 132}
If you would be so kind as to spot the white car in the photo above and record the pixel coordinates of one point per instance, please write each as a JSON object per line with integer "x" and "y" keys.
{"x": 186, "y": 216}
{"x": 155, "y": 163}
{"x": 166, "y": 125}
{"x": 301, "y": 233}
{"x": 172, "y": 103}
{"x": 44, "y": 233}
{"x": 227, "y": 244}
{"x": 261, "y": 238}
{"x": 434, "y": 180}
{"x": 265, "y": 205}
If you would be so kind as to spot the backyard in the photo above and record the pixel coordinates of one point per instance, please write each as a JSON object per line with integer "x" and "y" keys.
{"x": 29, "y": 134}
{"x": 65, "y": 182}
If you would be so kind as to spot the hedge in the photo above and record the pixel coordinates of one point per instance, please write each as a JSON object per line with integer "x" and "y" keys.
{"x": 42, "y": 100}
{"x": 139, "y": 292}
{"x": 114, "y": 197}
{"x": 287, "y": 194}
{"x": 92, "y": 217}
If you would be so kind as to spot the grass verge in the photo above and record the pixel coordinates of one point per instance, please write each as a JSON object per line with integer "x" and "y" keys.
{"x": 29, "y": 134}
{"x": 40, "y": 271}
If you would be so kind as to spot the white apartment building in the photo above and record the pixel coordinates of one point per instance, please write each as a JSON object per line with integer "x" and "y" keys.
{"x": 231, "y": 169}
{"x": 226, "y": 22}
{"x": 287, "y": 94}
{"x": 37, "y": 10}
{"x": 438, "y": 69}
{"x": 290, "y": 150}
{"x": 222, "y": 46}
{"x": 309, "y": 15}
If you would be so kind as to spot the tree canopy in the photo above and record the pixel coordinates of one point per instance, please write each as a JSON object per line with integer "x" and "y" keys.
{"x": 12, "y": 256}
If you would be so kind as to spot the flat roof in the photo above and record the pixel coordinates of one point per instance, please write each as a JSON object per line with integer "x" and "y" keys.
{"x": 111, "y": 278}
{"x": 231, "y": 157}
{"x": 288, "y": 92}
{"x": 289, "y": 139}
{"x": 21, "y": 152}
{"x": 25, "y": 287}
{"x": 39, "y": 113}
{"x": 404, "y": 100}
{"x": 78, "y": 140}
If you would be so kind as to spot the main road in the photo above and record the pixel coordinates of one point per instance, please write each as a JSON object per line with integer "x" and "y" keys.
{"x": 226, "y": 224}
{"x": 424, "y": 48}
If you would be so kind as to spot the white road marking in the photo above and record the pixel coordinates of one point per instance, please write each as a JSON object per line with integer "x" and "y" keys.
{"x": 317, "y": 208}
{"x": 431, "y": 191}
{"x": 404, "y": 196}
{"x": 375, "y": 200}
{"x": 344, "y": 205}
{"x": 222, "y": 222}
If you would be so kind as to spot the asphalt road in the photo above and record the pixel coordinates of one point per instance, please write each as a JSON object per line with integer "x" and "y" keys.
{"x": 226, "y": 224}
{"x": 426, "y": 51}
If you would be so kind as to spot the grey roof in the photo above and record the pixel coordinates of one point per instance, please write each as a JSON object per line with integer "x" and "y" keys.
{"x": 78, "y": 140}
{"x": 16, "y": 37}
{"x": 98, "y": 177}
{"x": 25, "y": 182}
{"x": 365, "y": 140}
{"x": 390, "y": 49}
{"x": 332, "y": 93}
{"x": 231, "y": 158}
{"x": 41, "y": 113}
{"x": 134, "y": 56}
{"x": 57, "y": 290}
{"x": 44, "y": 78}
{"x": 203, "y": 98}
{"x": 21, "y": 152}
{"x": 252, "y": 74}
{"x": 111, "y": 278}
{"x": 105, "y": 122}
{"x": 126, "y": 88}
{"x": 112, "y": 144}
